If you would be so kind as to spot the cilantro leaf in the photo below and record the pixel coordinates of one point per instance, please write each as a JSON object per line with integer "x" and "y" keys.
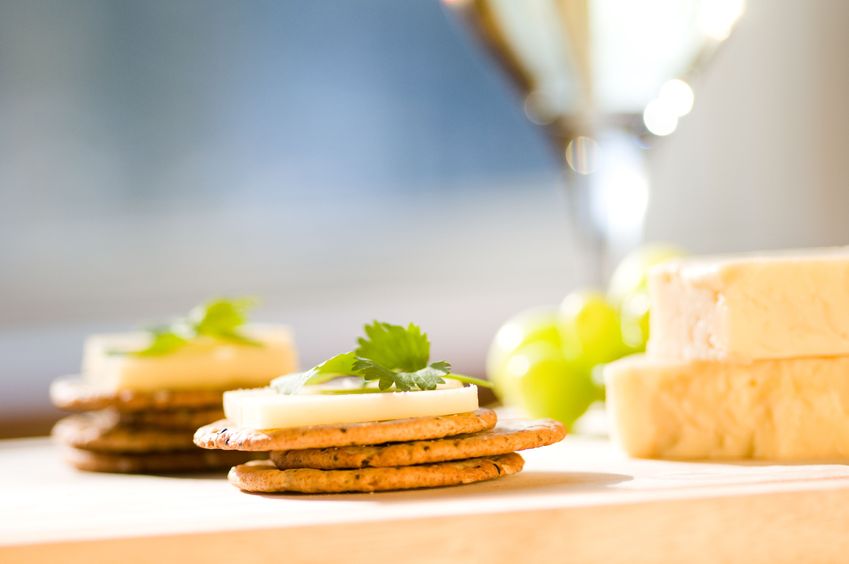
{"x": 220, "y": 318}
{"x": 236, "y": 337}
{"x": 442, "y": 366}
{"x": 392, "y": 356}
{"x": 394, "y": 347}
{"x": 162, "y": 342}
{"x": 371, "y": 370}
{"x": 220, "y": 315}
{"x": 425, "y": 379}
{"x": 339, "y": 365}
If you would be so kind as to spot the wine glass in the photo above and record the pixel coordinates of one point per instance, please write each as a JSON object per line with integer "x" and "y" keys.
{"x": 605, "y": 79}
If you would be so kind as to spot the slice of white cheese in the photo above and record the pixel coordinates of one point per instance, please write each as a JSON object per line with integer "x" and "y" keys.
{"x": 775, "y": 305}
{"x": 265, "y": 408}
{"x": 204, "y": 363}
{"x": 782, "y": 410}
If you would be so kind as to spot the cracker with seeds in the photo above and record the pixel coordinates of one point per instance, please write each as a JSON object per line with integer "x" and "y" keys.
{"x": 222, "y": 435}
{"x": 177, "y": 419}
{"x": 75, "y": 394}
{"x": 506, "y": 437}
{"x": 263, "y": 476}
{"x": 195, "y": 460}
{"x": 101, "y": 431}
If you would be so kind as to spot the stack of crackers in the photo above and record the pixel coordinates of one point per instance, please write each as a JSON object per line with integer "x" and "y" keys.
{"x": 135, "y": 431}
{"x": 420, "y": 452}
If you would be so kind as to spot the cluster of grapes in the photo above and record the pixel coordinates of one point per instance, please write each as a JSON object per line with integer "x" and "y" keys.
{"x": 546, "y": 361}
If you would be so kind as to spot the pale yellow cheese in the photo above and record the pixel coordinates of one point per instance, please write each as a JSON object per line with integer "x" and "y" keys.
{"x": 779, "y": 305}
{"x": 204, "y": 363}
{"x": 787, "y": 410}
{"x": 266, "y": 408}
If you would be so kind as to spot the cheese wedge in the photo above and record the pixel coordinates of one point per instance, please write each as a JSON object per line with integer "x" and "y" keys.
{"x": 779, "y": 305}
{"x": 782, "y": 410}
{"x": 204, "y": 363}
{"x": 265, "y": 408}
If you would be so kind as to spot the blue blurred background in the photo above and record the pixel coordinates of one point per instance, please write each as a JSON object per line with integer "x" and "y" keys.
{"x": 351, "y": 160}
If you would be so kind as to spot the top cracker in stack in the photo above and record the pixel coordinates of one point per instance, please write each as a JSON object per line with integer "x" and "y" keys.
{"x": 377, "y": 418}
{"x": 747, "y": 358}
{"x": 142, "y": 395}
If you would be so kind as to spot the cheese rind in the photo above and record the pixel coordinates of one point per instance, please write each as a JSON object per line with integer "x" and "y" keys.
{"x": 783, "y": 410}
{"x": 781, "y": 305}
{"x": 204, "y": 363}
{"x": 265, "y": 408}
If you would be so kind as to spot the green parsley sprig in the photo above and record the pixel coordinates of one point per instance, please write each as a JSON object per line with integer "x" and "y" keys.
{"x": 221, "y": 318}
{"x": 397, "y": 358}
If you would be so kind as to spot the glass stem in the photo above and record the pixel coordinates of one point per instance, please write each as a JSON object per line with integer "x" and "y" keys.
{"x": 608, "y": 202}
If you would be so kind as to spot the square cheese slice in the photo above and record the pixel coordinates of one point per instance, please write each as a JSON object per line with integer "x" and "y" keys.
{"x": 203, "y": 363}
{"x": 782, "y": 410}
{"x": 779, "y": 305}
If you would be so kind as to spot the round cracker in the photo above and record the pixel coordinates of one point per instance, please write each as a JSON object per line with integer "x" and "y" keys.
{"x": 506, "y": 437}
{"x": 101, "y": 431}
{"x": 223, "y": 435}
{"x": 75, "y": 394}
{"x": 263, "y": 476}
{"x": 177, "y": 419}
{"x": 196, "y": 460}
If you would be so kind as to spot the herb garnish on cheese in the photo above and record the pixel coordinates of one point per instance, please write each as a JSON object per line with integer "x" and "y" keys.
{"x": 221, "y": 318}
{"x": 397, "y": 358}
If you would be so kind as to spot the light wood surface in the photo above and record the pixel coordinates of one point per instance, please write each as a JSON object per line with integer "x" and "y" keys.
{"x": 580, "y": 500}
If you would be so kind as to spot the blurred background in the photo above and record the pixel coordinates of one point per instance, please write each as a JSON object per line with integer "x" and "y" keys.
{"x": 345, "y": 161}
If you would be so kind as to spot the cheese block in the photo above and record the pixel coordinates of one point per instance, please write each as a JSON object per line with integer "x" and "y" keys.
{"x": 268, "y": 409}
{"x": 779, "y": 305}
{"x": 783, "y": 410}
{"x": 203, "y": 363}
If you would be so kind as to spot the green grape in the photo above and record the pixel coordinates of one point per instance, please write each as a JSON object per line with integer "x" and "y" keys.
{"x": 628, "y": 291}
{"x": 539, "y": 325}
{"x": 631, "y": 275}
{"x": 590, "y": 328}
{"x": 541, "y": 382}
{"x": 634, "y": 313}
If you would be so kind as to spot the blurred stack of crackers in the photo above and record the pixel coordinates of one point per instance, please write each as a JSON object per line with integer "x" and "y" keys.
{"x": 131, "y": 431}
{"x": 141, "y": 395}
{"x": 399, "y": 454}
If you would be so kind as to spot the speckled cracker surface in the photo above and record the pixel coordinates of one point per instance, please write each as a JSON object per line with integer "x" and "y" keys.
{"x": 223, "y": 435}
{"x": 177, "y": 419}
{"x": 196, "y": 460}
{"x": 263, "y": 476}
{"x": 506, "y": 437}
{"x": 74, "y": 394}
{"x": 101, "y": 431}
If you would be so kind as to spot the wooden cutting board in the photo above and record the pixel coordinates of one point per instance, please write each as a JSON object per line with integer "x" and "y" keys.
{"x": 580, "y": 500}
